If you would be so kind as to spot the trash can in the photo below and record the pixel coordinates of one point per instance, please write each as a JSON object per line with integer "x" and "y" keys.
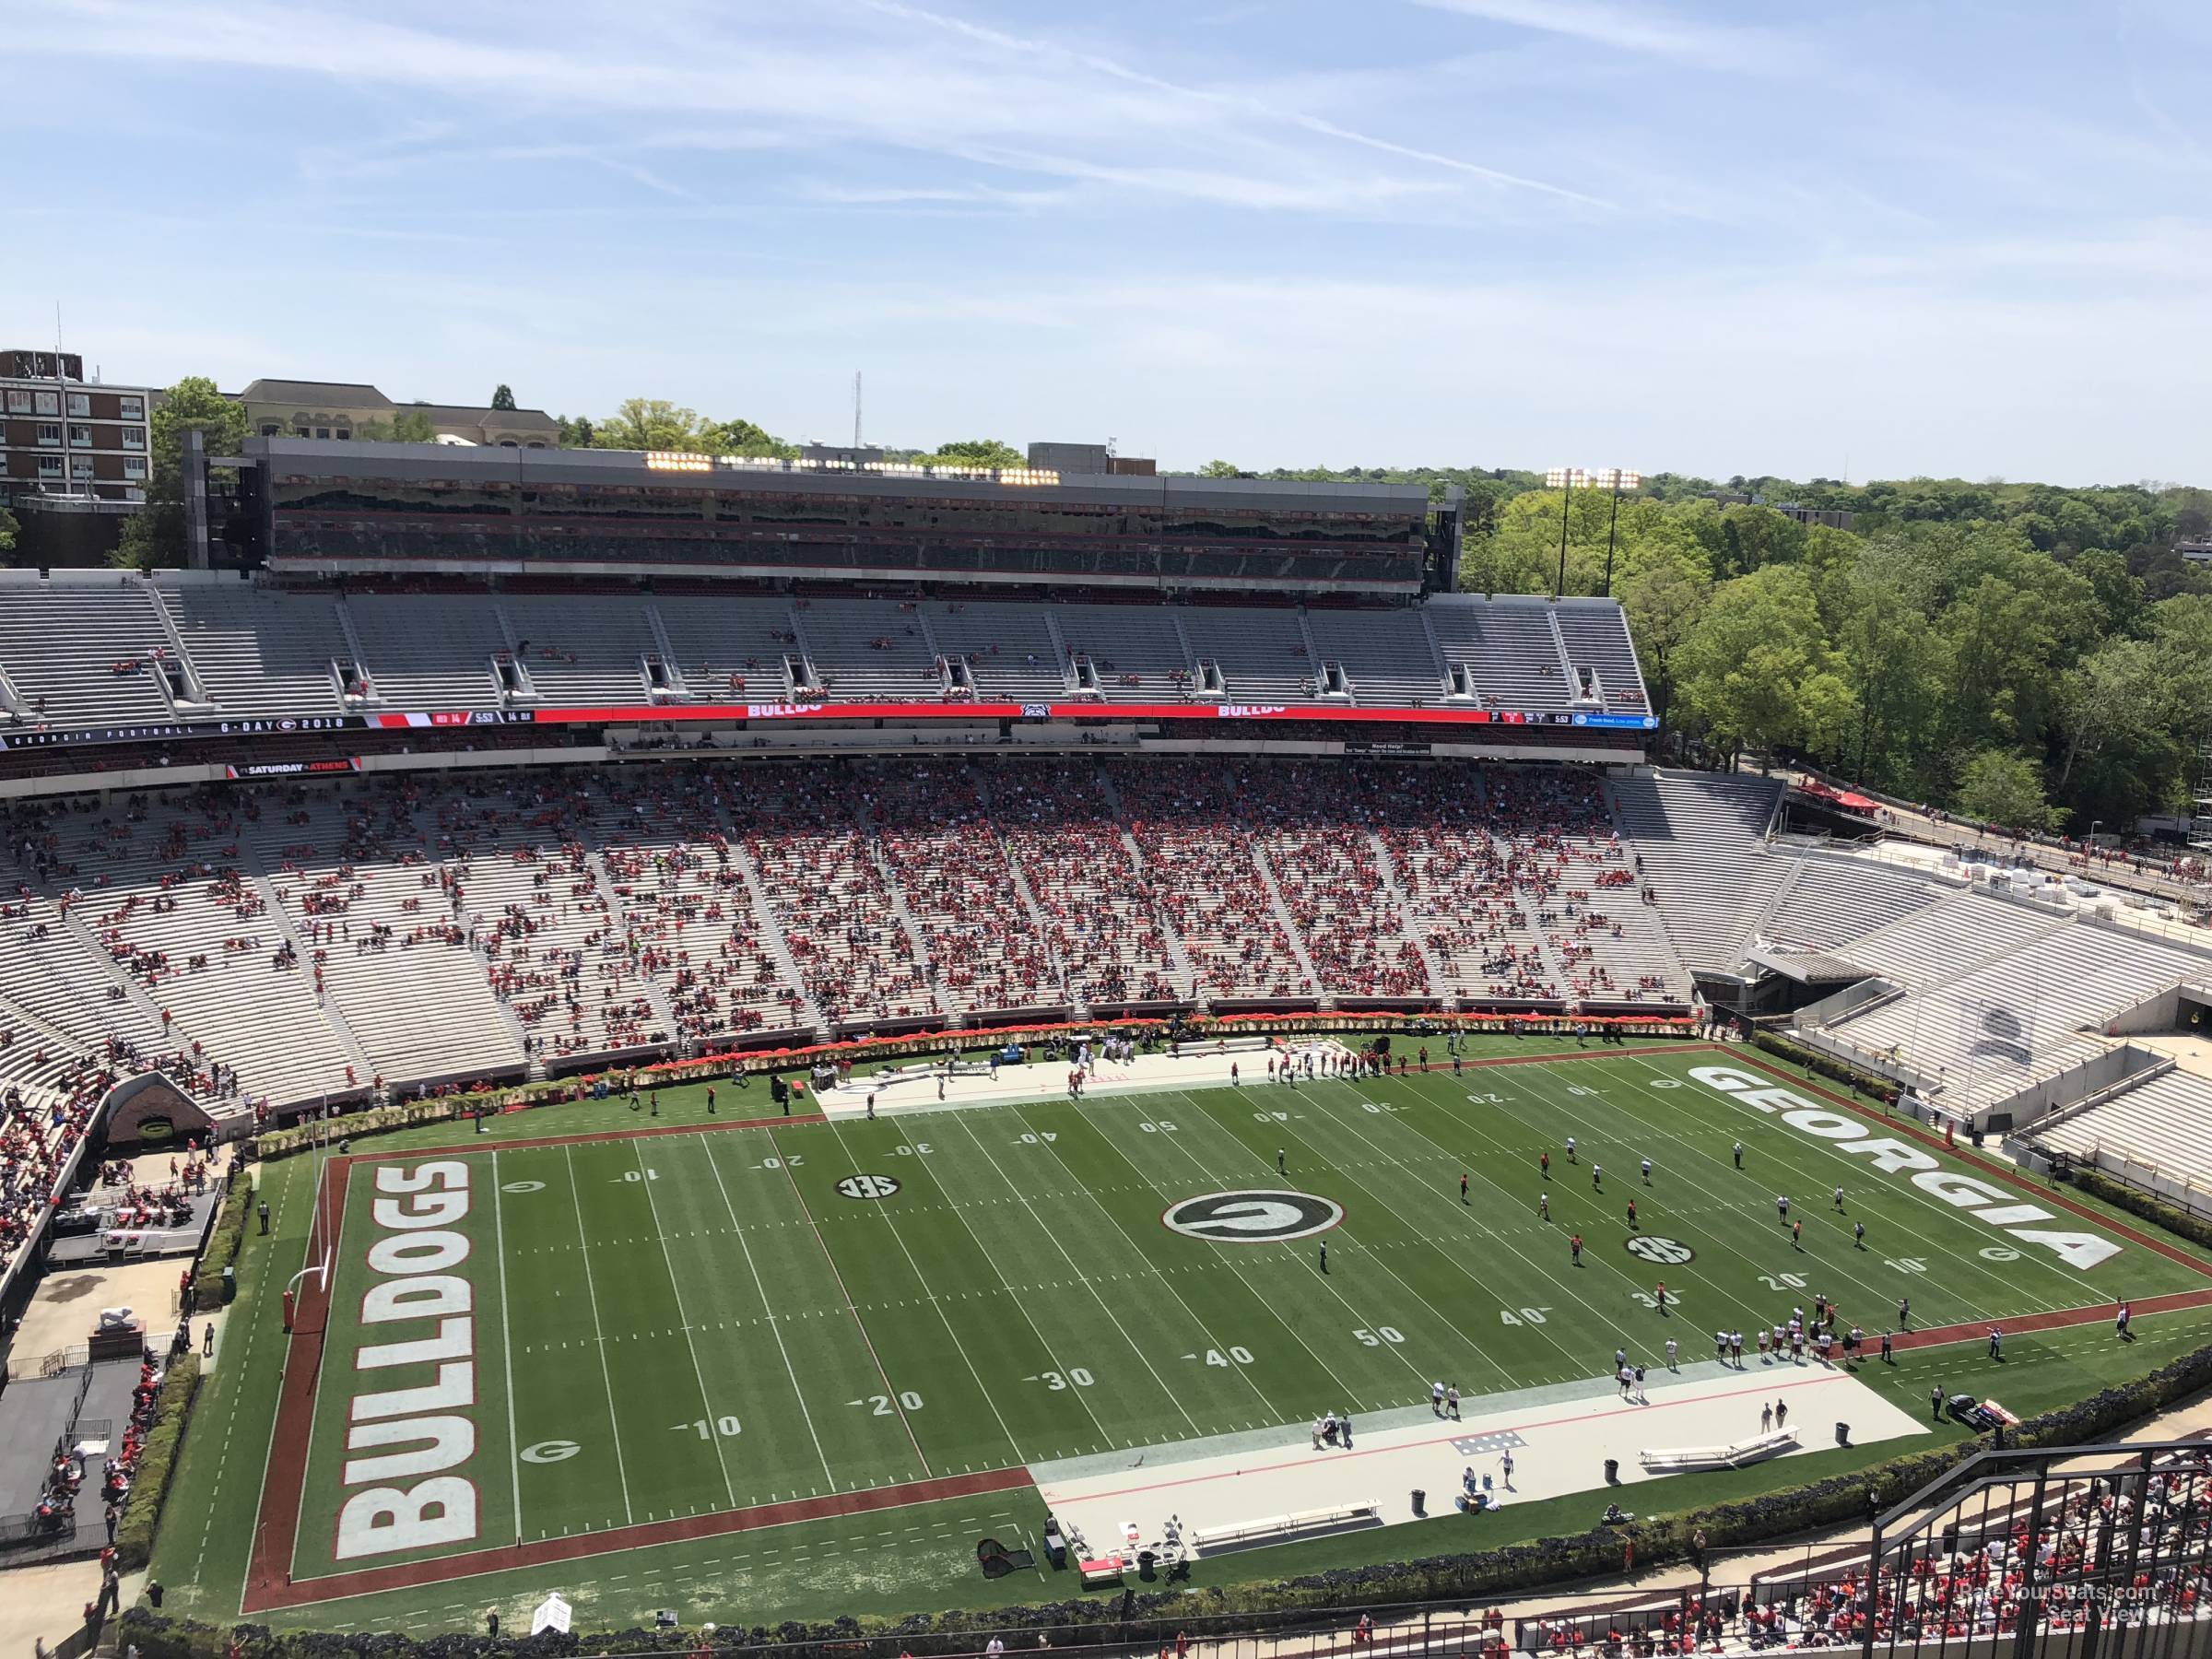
{"x": 1612, "y": 1471}
{"x": 1420, "y": 1502}
{"x": 230, "y": 1285}
{"x": 1144, "y": 1558}
{"x": 1842, "y": 1434}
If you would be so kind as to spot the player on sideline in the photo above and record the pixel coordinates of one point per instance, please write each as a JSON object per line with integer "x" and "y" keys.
{"x": 1670, "y": 1355}
{"x": 2121, "y": 1321}
{"x": 1436, "y": 1398}
{"x": 1904, "y": 1312}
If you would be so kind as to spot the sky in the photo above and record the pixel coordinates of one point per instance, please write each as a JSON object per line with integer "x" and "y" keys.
{"x": 1950, "y": 238}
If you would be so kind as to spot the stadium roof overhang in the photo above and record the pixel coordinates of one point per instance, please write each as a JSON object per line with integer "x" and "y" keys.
{"x": 1806, "y": 966}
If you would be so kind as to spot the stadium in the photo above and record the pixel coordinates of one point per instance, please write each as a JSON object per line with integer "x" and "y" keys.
{"x": 886, "y": 1060}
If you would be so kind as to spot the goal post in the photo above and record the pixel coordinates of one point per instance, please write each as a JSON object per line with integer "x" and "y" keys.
{"x": 307, "y": 1293}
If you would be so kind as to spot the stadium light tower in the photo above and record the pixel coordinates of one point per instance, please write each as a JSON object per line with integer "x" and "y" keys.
{"x": 1613, "y": 478}
{"x": 1564, "y": 479}
{"x": 1616, "y": 479}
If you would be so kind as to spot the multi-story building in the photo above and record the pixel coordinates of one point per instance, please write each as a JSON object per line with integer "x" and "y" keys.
{"x": 74, "y": 456}
{"x": 340, "y": 410}
{"x": 63, "y": 435}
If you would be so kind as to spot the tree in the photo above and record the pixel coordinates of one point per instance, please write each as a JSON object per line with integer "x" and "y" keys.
{"x": 1757, "y": 670}
{"x": 648, "y": 423}
{"x": 575, "y": 433}
{"x": 737, "y": 437}
{"x": 502, "y": 396}
{"x": 2004, "y": 788}
{"x": 409, "y": 426}
{"x": 979, "y": 452}
{"x": 2115, "y": 690}
{"x": 1663, "y": 605}
{"x": 1219, "y": 469}
{"x": 154, "y": 536}
{"x": 1893, "y": 659}
{"x": 7, "y": 530}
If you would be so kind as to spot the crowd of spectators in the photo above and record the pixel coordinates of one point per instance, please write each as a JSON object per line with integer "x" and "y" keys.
{"x": 1324, "y": 863}
{"x": 1199, "y": 858}
{"x": 985, "y": 949}
{"x": 2096, "y": 1551}
{"x": 618, "y": 909}
{"x": 1102, "y": 913}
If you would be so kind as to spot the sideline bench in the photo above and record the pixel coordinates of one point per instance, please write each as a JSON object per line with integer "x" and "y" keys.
{"x": 1687, "y": 1459}
{"x": 1274, "y": 1527}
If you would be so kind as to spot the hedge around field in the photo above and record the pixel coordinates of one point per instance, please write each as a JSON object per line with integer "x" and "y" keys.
{"x": 1826, "y": 1065}
{"x": 461, "y": 1104}
{"x": 223, "y": 1244}
{"x": 156, "y": 1464}
{"x": 2093, "y": 1181}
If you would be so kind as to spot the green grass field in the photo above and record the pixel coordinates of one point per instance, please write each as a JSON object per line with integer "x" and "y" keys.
{"x": 672, "y": 1326}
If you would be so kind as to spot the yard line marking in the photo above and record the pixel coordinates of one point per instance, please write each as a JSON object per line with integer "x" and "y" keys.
{"x": 1448, "y": 1323}
{"x": 1618, "y": 1322}
{"x": 1716, "y": 1239}
{"x": 706, "y": 1404}
{"x": 613, "y": 1424}
{"x": 498, "y": 1236}
{"x": 1104, "y": 1306}
{"x": 937, "y": 1303}
{"x": 867, "y": 1340}
{"x": 761, "y": 1290}
{"x": 1224, "y": 1259}
{"x": 1244, "y": 1372}
{"x": 1913, "y": 1195}
{"x": 1211, "y": 1175}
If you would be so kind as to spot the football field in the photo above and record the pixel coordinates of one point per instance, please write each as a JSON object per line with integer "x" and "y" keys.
{"x": 536, "y": 1354}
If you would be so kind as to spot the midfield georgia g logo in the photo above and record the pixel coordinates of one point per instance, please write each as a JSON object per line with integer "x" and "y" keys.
{"x": 1261, "y": 1216}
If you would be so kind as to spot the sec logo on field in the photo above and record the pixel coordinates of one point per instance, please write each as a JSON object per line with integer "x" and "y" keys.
{"x": 1263, "y": 1215}
{"x": 1665, "y": 1252}
{"x": 868, "y": 1186}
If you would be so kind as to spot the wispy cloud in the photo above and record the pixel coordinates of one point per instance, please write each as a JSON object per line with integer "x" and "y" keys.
{"x": 1636, "y": 29}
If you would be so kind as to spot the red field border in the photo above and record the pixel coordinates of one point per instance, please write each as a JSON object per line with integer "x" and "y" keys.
{"x": 262, "y": 1596}
{"x": 640, "y": 1132}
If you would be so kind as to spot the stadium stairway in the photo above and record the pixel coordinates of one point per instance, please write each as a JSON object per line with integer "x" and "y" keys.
{"x": 357, "y": 1056}
{"x": 771, "y": 932}
{"x": 1291, "y": 936}
{"x": 902, "y": 912}
{"x": 656, "y": 992}
{"x": 980, "y": 780}
{"x": 1186, "y": 965}
{"x": 1404, "y": 905}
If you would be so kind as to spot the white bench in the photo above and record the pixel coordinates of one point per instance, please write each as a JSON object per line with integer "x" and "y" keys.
{"x": 1687, "y": 1458}
{"x": 1283, "y": 1526}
